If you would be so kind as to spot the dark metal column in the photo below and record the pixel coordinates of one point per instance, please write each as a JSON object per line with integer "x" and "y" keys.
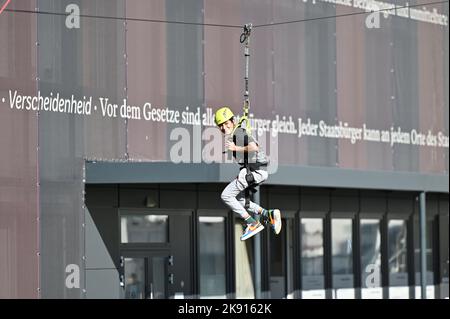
{"x": 423, "y": 245}
{"x": 257, "y": 252}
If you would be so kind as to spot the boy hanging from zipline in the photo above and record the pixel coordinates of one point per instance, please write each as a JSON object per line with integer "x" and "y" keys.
{"x": 252, "y": 159}
{"x": 246, "y": 149}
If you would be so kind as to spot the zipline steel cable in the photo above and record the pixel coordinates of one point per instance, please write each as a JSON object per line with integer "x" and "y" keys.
{"x": 227, "y": 25}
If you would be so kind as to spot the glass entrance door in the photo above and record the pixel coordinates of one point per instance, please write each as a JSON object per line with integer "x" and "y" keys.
{"x": 146, "y": 277}
{"x": 134, "y": 273}
{"x": 147, "y": 238}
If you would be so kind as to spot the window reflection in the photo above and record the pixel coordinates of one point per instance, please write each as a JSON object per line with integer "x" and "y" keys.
{"x": 313, "y": 281}
{"x": 144, "y": 228}
{"x": 134, "y": 278}
{"x": 342, "y": 246}
{"x": 312, "y": 246}
{"x": 158, "y": 278}
{"x": 397, "y": 246}
{"x": 342, "y": 258}
{"x": 212, "y": 257}
{"x": 397, "y": 259}
{"x": 370, "y": 235}
{"x": 370, "y": 252}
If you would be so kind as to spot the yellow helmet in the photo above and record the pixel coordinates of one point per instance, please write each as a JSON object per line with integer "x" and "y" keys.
{"x": 222, "y": 115}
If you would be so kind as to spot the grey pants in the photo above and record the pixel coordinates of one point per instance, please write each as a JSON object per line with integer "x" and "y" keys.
{"x": 234, "y": 196}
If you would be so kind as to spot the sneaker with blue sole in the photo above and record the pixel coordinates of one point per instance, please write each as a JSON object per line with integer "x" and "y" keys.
{"x": 252, "y": 230}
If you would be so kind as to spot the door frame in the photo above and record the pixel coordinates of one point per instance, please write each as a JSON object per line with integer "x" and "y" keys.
{"x": 157, "y": 249}
{"x": 229, "y": 248}
{"x": 147, "y": 255}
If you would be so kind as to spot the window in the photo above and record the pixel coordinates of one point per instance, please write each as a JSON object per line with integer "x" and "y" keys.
{"x": 134, "y": 278}
{"x": 212, "y": 257}
{"x": 397, "y": 259}
{"x": 342, "y": 257}
{"x": 277, "y": 246}
{"x": 397, "y": 247}
{"x": 245, "y": 288}
{"x": 342, "y": 246}
{"x": 144, "y": 228}
{"x": 370, "y": 259}
{"x": 312, "y": 260}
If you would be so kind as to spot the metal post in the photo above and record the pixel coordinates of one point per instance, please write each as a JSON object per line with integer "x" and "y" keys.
{"x": 423, "y": 245}
{"x": 257, "y": 253}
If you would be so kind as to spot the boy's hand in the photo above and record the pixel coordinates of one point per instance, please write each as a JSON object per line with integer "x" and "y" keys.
{"x": 229, "y": 145}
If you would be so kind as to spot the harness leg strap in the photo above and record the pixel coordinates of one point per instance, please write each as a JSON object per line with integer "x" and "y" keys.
{"x": 251, "y": 188}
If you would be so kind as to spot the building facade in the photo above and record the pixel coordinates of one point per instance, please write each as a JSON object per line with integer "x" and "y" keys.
{"x": 111, "y": 169}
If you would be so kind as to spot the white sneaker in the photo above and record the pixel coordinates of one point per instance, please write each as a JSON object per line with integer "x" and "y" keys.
{"x": 275, "y": 220}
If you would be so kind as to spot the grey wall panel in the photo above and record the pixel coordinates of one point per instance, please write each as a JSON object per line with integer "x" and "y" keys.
{"x": 403, "y": 204}
{"x": 443, "y": 204}
{"x": 432, "y": 205}
{"x": 146, "y": 56}
{"x": 316, "y": 191}
{"x": 102, "y": 237}
{"x": 445, "y": 57}
{"x": 62, "y": 235}
{"x": 97, "y": 253}
{"x": 405, "y": 102}
{"x": 184, "y": 64}
{"x": 72, "y": 62}
{"x": 103, "y": 284}
{"x": 178, "y": 199}
{"x": 343, "y": 200}
{"x": 210, "y": 200}
{"x": 178, "y": 186}
{"x": 320, "y": 94}
{"x": 144, "y": 173}
{"x": 344, "y": 203}
{"x": 283, "y": 201}
{"x": 315, "y": 203}
{"x": 379, "y": 86}
{"x": 211, "y": 187}
{"x": 102, "y": 195}
{"x": 180, "y": 232}
{"x": 19, "y": 190}
{"x": 373, "y": 204}
{"x": 264, "y": 196}
{"x": 139, "y": 197}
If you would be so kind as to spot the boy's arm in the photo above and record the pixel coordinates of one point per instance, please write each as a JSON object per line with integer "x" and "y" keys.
{"x": 251, "y": 147}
